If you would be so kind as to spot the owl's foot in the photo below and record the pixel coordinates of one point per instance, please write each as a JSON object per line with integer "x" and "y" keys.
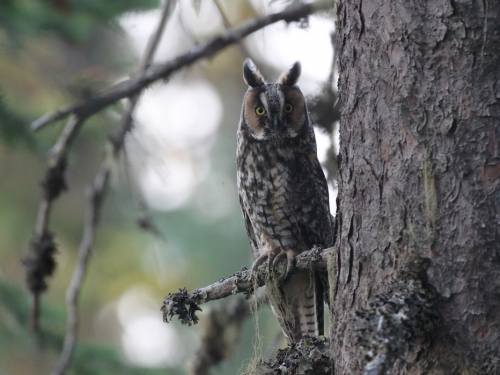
{"x": 269, "y": 256}
{"x": 259, "y": 261}
{"x": 273, "y": 257}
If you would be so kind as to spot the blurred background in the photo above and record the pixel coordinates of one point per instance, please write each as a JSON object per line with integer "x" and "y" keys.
{"x": 179, "y": 159}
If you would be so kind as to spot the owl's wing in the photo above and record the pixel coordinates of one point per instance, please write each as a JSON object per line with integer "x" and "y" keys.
{"x": 310, "y": 201}
{"x": 326, "y": 225}
{"x": 250, "y": 231}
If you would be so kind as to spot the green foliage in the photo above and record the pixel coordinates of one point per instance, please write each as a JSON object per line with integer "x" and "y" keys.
{"x": 13, "y": 129}
{"x": 71, "y": 20}
{"x": 14, "y": 306}
{"x": 16, "y": 338}
{"x": 101, "y": 359}
{"x": 37, "y": 68}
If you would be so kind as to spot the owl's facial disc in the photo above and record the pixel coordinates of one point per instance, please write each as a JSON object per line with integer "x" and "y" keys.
{"x": 274, "y": 112}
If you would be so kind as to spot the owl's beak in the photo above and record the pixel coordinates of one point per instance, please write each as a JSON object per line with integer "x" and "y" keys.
{"x": 276, "y": 123}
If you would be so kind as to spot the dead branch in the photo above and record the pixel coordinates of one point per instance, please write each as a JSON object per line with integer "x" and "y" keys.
{"x": 40, "y": 261}
{"x": 154, "y": 73}
{"x": 95, "y": 200}
{"x": 220, "y": 336}
{"x": 184, "y": 305}
{"x": 227, "y": 25}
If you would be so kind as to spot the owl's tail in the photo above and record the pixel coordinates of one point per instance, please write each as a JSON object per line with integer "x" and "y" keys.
{"x": 301, "y": 310}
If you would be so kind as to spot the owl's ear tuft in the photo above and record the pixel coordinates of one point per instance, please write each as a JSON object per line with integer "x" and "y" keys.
{"x": 251, "y": 74}
{"x": 290, "y": 77}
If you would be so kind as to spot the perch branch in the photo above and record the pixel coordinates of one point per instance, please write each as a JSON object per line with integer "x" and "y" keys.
{"x": 134, "y": 85}
{"x": 96, "y": 197}
{"x": 185, "y": 305}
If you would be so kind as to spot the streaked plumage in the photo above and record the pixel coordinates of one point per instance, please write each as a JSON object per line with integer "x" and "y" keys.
{"x": 283, "y": 191}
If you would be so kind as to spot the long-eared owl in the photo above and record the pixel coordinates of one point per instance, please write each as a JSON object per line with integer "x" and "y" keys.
{"x": 283, "y": 192}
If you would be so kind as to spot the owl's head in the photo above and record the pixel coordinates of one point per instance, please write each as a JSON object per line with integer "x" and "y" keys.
{"x": 273, "y": 110}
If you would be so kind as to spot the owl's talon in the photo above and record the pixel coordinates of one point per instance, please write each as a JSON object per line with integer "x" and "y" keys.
{"x": 280, "y": 256}
{"x": 258, "y": 262}
{"x": 271, "y": 259}
{"x": 290, "y": 265}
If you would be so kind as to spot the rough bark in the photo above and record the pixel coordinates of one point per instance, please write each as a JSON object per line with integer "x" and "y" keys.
{"x": 419, "y": 186}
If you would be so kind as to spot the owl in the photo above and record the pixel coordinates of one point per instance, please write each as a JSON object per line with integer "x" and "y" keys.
{"x": 283, "y": 193}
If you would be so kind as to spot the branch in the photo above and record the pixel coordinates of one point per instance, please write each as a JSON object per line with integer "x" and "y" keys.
{"x": 185, "y": 305}
{"x": 40, "y": 261}
{"x": 96, "y": 197}
{"x": 135, "y": 85}
{"x": 220, "y": 335}
{"x": 227, "y": 26}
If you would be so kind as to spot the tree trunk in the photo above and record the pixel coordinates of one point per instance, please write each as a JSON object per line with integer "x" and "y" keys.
{"x": 418, "y": 247}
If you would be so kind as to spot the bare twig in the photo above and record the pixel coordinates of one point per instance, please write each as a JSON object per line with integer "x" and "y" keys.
{"x": 227, "y": 26}
{"x": 96, "y": 196}
{"x": 134, "y": 85}
{"x": 67, "y": 136}
{"x": 40, "y": 261}
{"x": 92, "y": 216}
{"x": 145, "y": 221}
{"x": 241, "y": 282}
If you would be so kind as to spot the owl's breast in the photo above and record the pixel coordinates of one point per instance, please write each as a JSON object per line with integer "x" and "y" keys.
{"x": 271, "y": 182}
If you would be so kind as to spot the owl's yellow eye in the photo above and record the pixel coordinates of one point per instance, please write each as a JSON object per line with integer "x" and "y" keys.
{"x": 260, "y": 111}
{"x": 288, "y": 108}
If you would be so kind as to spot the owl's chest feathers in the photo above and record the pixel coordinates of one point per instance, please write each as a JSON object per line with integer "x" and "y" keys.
{"x": 273, "y": 179}
{"x": 269, "y": 172}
